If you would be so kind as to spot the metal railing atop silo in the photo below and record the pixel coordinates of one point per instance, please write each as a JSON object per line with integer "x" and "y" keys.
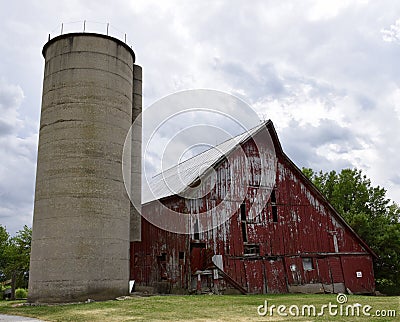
{"x": 88, "y": 26}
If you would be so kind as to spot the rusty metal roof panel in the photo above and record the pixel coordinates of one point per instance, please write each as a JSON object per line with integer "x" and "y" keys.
{"x": 175, "y": 180}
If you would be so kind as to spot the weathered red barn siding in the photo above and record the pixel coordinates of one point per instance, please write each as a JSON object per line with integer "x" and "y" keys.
{"x": 353, "y": 264}
{"x": 306, "y": 229}
{"x": 148, "y": 264}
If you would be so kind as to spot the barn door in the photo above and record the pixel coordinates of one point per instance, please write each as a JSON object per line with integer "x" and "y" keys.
{"x": 254, "y": 276}
{"x": 336, "y": 274}
{"x": 197, "y": 257}
{"x": 324, "y": 275}
{"x": 275, "y": 274}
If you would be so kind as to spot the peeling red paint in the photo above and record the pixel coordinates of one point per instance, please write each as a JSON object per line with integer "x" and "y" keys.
{"x": 262, "y": 254}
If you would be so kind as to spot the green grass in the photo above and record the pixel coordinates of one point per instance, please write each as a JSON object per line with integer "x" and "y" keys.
{"x": 198, "y": 308}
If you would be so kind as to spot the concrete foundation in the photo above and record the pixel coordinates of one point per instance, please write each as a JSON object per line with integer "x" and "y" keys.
{"x": 81, "y": 224}
{"x": 317, "y": 288}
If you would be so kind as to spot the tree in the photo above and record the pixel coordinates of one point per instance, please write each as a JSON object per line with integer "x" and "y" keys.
{"x": 374, "y": 218}
{"x": 4, "y": 236}
{"x": 15, "y": 256}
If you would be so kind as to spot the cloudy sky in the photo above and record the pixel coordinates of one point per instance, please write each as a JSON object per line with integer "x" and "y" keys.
{"x": 326, "y": 72}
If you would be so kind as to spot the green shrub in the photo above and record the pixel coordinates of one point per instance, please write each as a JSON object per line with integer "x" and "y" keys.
{"x": 21, "y": 293}
{"x": 387, "y": 286}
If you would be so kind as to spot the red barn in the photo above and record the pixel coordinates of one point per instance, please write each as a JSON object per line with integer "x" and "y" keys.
{"x": 242, "y": 216}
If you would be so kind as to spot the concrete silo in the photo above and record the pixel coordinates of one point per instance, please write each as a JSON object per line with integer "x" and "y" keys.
{"x": 82, "y": 212}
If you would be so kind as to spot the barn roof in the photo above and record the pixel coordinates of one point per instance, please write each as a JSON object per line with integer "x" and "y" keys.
{"x": 176, "y": 179}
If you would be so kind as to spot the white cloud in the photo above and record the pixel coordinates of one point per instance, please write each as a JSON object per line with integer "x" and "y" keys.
{"x": 10, "y": 99}
{"x": 328, "y": 9}
{"x": 392, "y": 33}
{"x": 17, "y": 168}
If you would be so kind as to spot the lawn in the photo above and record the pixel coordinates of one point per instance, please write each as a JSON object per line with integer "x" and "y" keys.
{"x": 209, "y": 308}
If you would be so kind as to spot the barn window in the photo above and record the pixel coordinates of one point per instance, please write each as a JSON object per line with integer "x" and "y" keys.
{"x": 162, "y": 257}
{"x": 244, "y": 231}
{"x": 181, "y": 255}
{"x": 251, "y": 249}
{"x": 243, "y": 212}
{"x": 243, "y": 219}
{"x": 308, "y": 264}
{"x": 196, "y": 234}
{"x": 274, "y": 208}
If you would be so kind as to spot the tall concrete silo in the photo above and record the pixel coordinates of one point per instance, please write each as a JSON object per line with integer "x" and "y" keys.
{"x": 82, "y": 213}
